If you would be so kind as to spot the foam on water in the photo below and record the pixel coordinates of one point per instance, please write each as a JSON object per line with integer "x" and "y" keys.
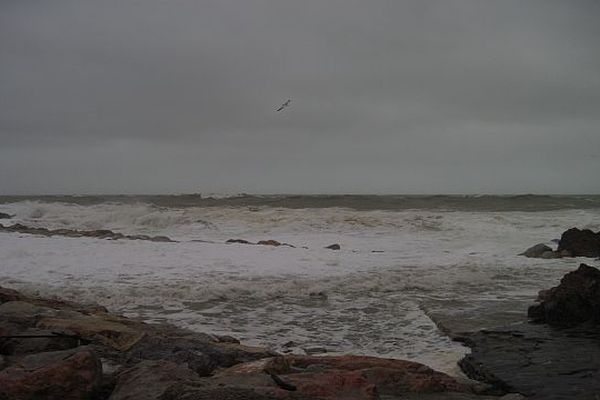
{"x": 352, "y": 300}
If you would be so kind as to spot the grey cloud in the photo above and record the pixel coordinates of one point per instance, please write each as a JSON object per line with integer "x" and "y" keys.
{"x": 387, "y": 96}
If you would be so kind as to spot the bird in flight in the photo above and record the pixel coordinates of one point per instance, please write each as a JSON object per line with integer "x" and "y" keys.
{"x": 285, "y": 105}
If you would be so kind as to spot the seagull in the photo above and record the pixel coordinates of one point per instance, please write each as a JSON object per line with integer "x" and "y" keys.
{"x": 285, "y": 105}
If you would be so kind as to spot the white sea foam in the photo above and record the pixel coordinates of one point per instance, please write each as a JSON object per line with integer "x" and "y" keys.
{"x": 352, "y": 300}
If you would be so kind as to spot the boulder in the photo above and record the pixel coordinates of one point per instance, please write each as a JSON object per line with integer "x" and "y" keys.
{"x": 334, "y": 246}
{"x": 240, "y": 241}
{"x": 149, "y": 380}
{"x": 580, "y": 243}
{"x": 5, "y": 216}
{"x": 574, "y": 301}
{"x": 337, "y": 378}
{"x": 269, "y": 242}
{"x": 536, "y": 251}
{"x": 60, "y": 375}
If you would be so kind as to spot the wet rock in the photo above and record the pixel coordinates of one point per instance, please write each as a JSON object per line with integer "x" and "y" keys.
{"x": 536, "y": 251}
{"x": 150, "y": 380}
{"x": 95, "y": 329}
{"x": 337, "y": 377}
{"x": 98, "y": 233}
{"x": 31, "y": 341}
{"x": 334, "y": 246}
{"x": 201, "y": 355}
{"x": 9, "y": 295}
{"x": 240, "y": 241}
{"x": 574, "y": 301}
{"x": 62, "y": 375}
{"x": 5, "y": 216}
{"x": 315, "y": 350}
{"x": 269, "y": 242}
{"x": 580, "y": 243}
{"x": 537, "y": 360}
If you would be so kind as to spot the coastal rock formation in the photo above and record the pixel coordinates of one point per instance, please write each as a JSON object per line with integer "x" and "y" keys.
{"x": 580, "y": 243}
{"x": 574, "y": 301}
{"x": 66, "y": 375}
{"x": 558, "y": 359}
{"x": 269, "y": 242}
{"x": 54, "y": 349}
{"x": 98, "y": 233}
{"x": 573, "y": 243}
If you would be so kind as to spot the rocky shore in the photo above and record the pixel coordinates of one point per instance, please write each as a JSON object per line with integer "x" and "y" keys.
{"x": 554, "y": 356}
{"x": 53, "y": 349}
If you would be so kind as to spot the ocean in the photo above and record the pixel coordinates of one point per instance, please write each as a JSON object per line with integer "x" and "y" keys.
{"x": 402, "y": 260}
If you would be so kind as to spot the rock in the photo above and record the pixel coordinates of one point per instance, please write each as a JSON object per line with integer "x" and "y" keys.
{"x": 537, "y": 361}
{"x": 5, "y": 216}
{"x": 9, "y": 295}
{"x": 337, "y": 378}
{"x": 334, "y": 246}
{"x": 580, "y": 243}
{"x": 240, "y": 241}
{"x": 269, "y": 242}
{"x": 62, "y": 375}
{"x": 547, "y": 255}
{"x": 95, "y": 329}
{"x": 536, "y": 251}
{"x": 150, "y": 380}
{"x": 98, "y": 233}
{"x": 32, "y": 341}
{"x": 574, "y": 301}
{"x": 200, "y": 354}
{"x": 315, "y": 350}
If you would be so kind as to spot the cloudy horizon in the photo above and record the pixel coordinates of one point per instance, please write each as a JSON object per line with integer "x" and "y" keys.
{"x": 154, "y": 96}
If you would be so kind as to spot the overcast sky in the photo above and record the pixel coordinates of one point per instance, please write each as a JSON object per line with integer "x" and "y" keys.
{"x": 423, "y": 96}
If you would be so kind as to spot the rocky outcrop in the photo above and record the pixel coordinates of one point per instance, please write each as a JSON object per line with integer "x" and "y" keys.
{"x": 580, "y": 243}
{"x": 268, "y": 242}
{"x": 5, "y": 216}
{"x": 99, "y": 233}
{"x": 52, "y": 349}
{"x": 574, "y": 301}
{"x": 573, "y": 243}
{"x": 556, "y": 359}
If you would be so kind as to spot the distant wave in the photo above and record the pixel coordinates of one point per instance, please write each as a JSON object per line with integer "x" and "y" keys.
{"x": 520, "y": 202}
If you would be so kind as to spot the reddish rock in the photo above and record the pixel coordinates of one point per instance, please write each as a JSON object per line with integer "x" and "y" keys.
{"x": 337, "y": 377}
{"x": 61, "y": 375}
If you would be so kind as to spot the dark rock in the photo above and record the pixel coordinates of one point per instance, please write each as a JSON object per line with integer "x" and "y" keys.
{"x": 240, "y": 241}
{"x": 5, "y": 216}
{"x": 574, "y": 301}
{"x": 536, "y": 251}
{"x": 31, "y": 341}
{"x": 537, "y": 360}
{"x": 150, "y": 380}
{"x": 99, "y": 233}
{"x": 334, "y": 246}
{"x": 269, "y": 242}
{"x": 201, "y": 354}
{"x": 62, "y": 375}
{"x": 580, "y": 243}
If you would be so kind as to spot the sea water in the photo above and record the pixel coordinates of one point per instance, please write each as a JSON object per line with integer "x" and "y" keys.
{"x": 398, "y": 255}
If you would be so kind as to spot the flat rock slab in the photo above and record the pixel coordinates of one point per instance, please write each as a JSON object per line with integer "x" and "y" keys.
{"x": 538, "y": 361}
